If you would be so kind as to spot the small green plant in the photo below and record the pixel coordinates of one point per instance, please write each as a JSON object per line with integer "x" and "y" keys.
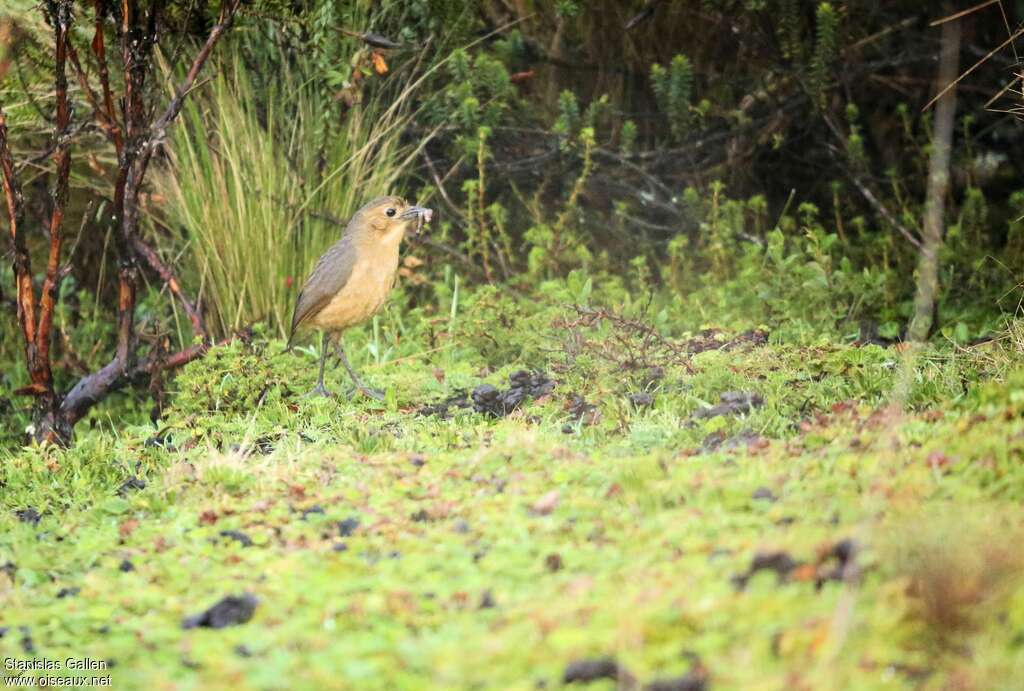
{"x": 627, "y": 139}
{"x": 673, "y": 89}
{"x": 557, "y": 246}
{"x": 789, "y": 28}
{"x": 487, "y": 237}
{"x": 825, "y": 50}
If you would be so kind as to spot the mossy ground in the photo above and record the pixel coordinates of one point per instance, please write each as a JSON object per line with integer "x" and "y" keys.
{"x": 395, "y": 550}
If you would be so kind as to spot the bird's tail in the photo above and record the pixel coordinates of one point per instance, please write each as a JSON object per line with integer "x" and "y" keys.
{"x": 291, "y": 333}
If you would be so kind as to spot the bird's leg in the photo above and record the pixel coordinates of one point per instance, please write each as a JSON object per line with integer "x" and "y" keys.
{"x": 360, "y": 386}
{"x": 320, "y": 389}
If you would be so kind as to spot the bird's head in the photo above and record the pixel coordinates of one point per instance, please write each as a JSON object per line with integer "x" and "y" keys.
{"x": 387, "y": 216}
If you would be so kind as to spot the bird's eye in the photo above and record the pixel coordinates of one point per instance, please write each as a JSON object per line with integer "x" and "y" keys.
{"x": 390, "y": 212}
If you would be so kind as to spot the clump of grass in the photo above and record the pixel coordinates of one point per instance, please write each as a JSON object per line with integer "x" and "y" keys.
{"x": 960, "y": 570}
{"x": 263, "y": 172}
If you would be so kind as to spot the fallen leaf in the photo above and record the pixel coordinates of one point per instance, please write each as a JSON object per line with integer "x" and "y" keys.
{"x": 547, "y": 503}
{"x": 127, "y": 528}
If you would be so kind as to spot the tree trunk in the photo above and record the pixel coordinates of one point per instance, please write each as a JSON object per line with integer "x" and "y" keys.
{"x": 938, "y": 186}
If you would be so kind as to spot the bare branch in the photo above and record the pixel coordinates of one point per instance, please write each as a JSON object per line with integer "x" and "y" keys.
{"x": 25, "y": 298}
{"x": 167, "y": 276}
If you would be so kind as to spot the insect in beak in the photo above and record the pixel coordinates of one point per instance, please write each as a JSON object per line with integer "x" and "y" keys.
{"x": 420, "y": 213}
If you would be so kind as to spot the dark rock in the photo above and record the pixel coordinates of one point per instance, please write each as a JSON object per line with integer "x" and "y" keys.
{"x": 845, "y": 551}
{"x": 689, "y": 682}
{"x": 763, "y": 493}
{"x": 126, "y": 566}
{"x": 9, "y": 569}
{"x": 67, "y": 592}
{"x": 486, "y": 396}
{"x": 487, "y": 600}
{"x": 339, "y": 547}
{"x": 593, "y": 669}
{"x": 314, "y": 509}
{"x": 132, "y": 484}
{"x": 28, "y": 646}
{"x": 654, "y": 375}
{"x": 489, "y": 399}
{"x": 779, "y": 562}
{"x": 731, "y": 403}
{"x": 458, "y": 400}
{"x": 28, "y": 515}
{"x": 712, "y": 442}
{"x": 718, "y": 441}
{"x": 420, "y": 516}
{"x": 238, "y": 536}
{"x": 642, "y": 399}
{"x": 754, "y": 337}
{"x": 232, "y": 610}
{"x": 553, "y": 562}
{"x": 264, "y": 446}
{"x": 347, "y": 526}
{"x": 243, "y": 650}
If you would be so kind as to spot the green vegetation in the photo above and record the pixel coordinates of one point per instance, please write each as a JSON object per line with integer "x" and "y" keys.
{"x": 392, "y": 549}
{"x": 651, "y": 421}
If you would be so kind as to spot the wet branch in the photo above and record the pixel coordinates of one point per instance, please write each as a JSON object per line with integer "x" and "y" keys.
{"x": 136, "y": 134}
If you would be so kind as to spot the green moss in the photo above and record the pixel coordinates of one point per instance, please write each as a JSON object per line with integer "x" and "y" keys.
{"x": 621, "y": 537}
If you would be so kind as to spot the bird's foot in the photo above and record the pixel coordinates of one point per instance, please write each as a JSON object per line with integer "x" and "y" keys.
{"x": 318, "y": 391}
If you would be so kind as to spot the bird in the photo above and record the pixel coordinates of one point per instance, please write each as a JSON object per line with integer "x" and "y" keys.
{"x": 351, "y": 280}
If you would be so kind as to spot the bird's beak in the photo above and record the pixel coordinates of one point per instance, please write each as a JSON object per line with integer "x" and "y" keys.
{"x": 421, "y": 213}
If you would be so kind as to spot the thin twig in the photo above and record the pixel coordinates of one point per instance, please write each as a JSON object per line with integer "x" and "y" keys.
{"x": 195, "y": 316}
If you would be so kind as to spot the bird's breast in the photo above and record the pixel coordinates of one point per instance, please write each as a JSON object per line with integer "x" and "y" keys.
{"x": 367, "y": 288}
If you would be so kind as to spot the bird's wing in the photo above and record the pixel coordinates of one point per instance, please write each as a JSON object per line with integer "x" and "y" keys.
{"x": 329, "y": 276}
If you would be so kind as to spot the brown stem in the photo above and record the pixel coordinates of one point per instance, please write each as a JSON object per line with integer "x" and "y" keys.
{"x": 39, "y": 369}
{"x": 99, "y": 114}
{"x": 25, "y": 296}
{"x": 133, "y": 164}
{"x": 100, "y": 51}
{"x": 167, "y": 276}
{"x": 94, "y": 388}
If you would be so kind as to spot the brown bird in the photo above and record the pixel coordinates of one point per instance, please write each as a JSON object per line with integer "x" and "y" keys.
{"x": 352, "y": 279}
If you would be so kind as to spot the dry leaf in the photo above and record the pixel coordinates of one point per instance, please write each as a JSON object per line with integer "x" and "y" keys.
{"x": 547, "y": 503}
{"x": 127, "y": 528}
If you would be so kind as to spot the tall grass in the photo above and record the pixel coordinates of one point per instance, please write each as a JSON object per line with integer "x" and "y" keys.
{"x": 261, "y": 159}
